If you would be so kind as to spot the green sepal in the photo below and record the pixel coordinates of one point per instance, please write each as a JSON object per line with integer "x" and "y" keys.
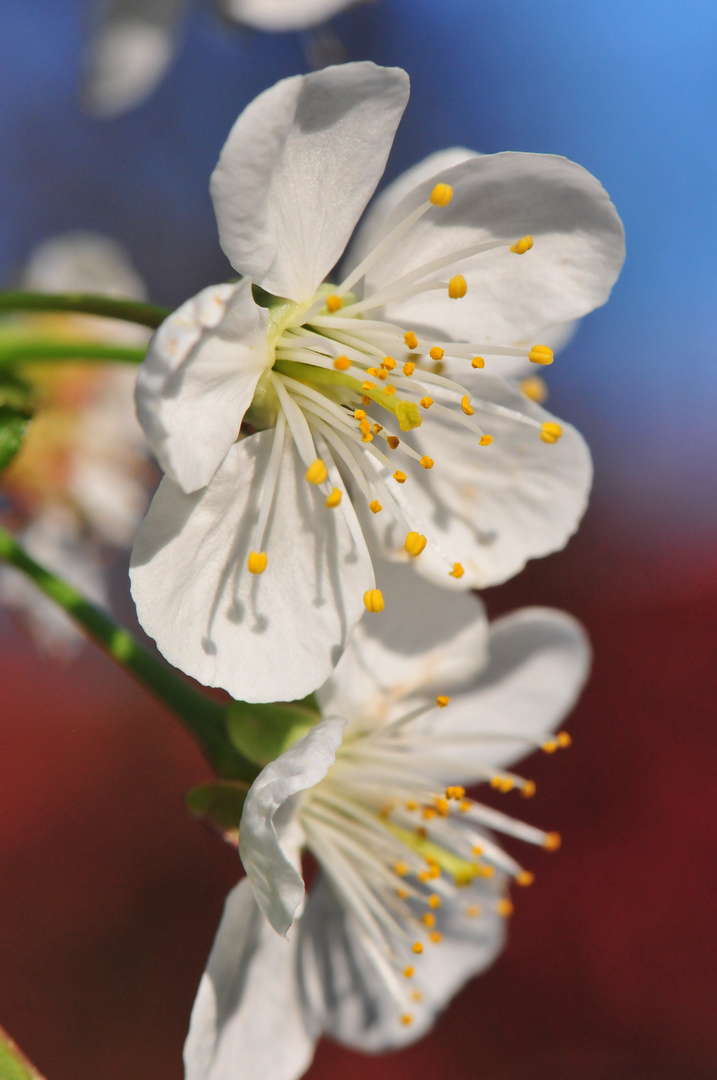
{"x": 220, "y": 803}
{"x": 263, "y": 732}
{"x": 14, "y": 425}
{"x": 13, "y": 1063}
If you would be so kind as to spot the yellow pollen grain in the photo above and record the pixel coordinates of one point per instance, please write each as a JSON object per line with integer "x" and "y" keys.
{"x": 525, "y": 878}
{"x": 504, "y": 907}
{"x": 316, "y": 472}
{"x": 427, "y": 462}
{"x": 428, "y": 920}
{"x": 552, "y": 841}
{"x": 485, "y": 440}
{"x": 436, "y": 353}
{"x": 478, "y": 362}
{"x": 442, "y": 806}
{"x": 457, "y": 571}
{"x": 377, "y": 428}
{"x": 563, "y": 739}
{"x": 549, "y": 747}
{"x": 389, "y": 390}
{"x": 368, "y": 386}
{"x": 334, "y": 303}
{"x": 411, "y": 804}
{"x": 436, "y": 937}
{"x": 417, "y": 948}
{"x": 388, "y": 363}
{"x": 409, "y": 971}
{"x": 528, "y": 789}
{"x": 414, "y": 543}
{"x": 373, "y": 601}
{"x": 408, "y": 368}
{"x": 402, "y": 894}
{"x": 401, "y": 868}
{"x": 375, "y": 506}
{"x": 424, "y": 875}
{"x": 434, "y": 872}
{"x": 399, "y": 477}
{"x": 534, "y": 389}
{"x": 406, "y": 1019}
{"x": 465, "y": 806}
{"x": 416, "y": 995}
{"x": 421, "y": 833}
{"x": 477, "y": 850}
{"x": 426, "y": 402}
{"x": 359, "y": 414}
{"x": 411, "y": 340}
{"x": 541, "y": 354}
{"x": 393, "y": 441}
{"x": 457, "y": 287}
{"x": 521, "y": 246}
{"x": 434, "y": 901}
{"x": 429, "y": 812}
{"x": 333, "y": 499}
{"x": 456, "y": 791}
{"x": 442, "y": 701}
{"x": 365, "y": 400}
{"x": 441, "y": 194}
{"x": 550, "y": 432}
{"x": 466, "y": 405}
{"x": 256, "y": 563}
{"x": 342, "y": 363}
{"x": 473, "y": 911}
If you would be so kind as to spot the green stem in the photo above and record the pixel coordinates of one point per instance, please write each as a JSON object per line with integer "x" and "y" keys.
{"x": 45, "y": 351}
{"x": 13, "y": 1063}
{"x": 135, "y": 311}
{"x": 205, "y": 719}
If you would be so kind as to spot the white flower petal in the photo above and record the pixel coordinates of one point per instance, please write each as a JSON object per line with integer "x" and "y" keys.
{"x": 490, "y": 508}
{"x": 298, "y": 168}
{"x": 538, "y": 661}
{"x": 274, "y": 636}
{"x": 129, "y": 52}
{"x": 198, "y": 380}
{"x": 424, "y": 641}
{"x": 277, "y": 883}
{"x": 347, "y": 998}
{"x": 248, "y": 1017}
{"x": 283, "y": 14}
{"x": 579, "y": 248}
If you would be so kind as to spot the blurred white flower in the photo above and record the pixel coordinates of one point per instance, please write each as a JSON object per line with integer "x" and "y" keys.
{"x": 80, "y": 483}
{"x": 252, "y": 565}
{"x": 411, "y": 897}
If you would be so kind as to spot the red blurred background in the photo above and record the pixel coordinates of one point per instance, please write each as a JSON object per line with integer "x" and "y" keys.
{"x": 112, "y": 894}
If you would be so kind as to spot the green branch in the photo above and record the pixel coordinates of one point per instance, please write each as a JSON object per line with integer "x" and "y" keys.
{"x": 134, "y": 311}
{"x": 45, "y": 350}
{"x": 206, "y": 719}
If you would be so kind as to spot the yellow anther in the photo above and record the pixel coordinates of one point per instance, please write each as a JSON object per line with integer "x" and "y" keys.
{"x": 465, "y": 806}
{"x": 524, "y": 244}
{"x": 406, "y": 1019}
{"x": 466, "y": 405}
{"x": 455, "y": 792}
{"x": 441, "y": 194}
{"x": 535, "y": 389}
{"x": 402, "y": 894}
{"x": 424, "y": 875}
{"x": 552, "y": 841}
{"x": 388, "y": 363}
{"x": 429, "y": 812}
{"x": 507, "y": 784}
{"x": 411, "y": 804}
{"x": 436, "y": 353}
{"x": 427, "y": 462}
{"x": 333, "y": 499}
{"x": 364, "y": 426}
{"x": 485, "y": 440}
{"x": 428, "y": 920}
{"x": 426, "y": 402}
{"x": 389, "y": 390}
{"x": 478, "y": 362}
{"x": 375, "y": 506}
{"x": 411, "y": 340}
{"x": 549, "y": 747}
{"x": 367, "y": 437}
{"x": 408, "y": 368}
{"x": 473, "y": 911}
{"x": 457, "y": 287}
{"x": 365, "y": 400}
{"x": 563, "y": 739}
{"x": 436, "y": 937}
{"x": 442, "y": 700}
{"x": 316, "y": 472}
{"x": 408, "y": 415}
{"x": 442, "y": 806}
{"x": 368, "y": 386}
{"x": 416, "y": 995}
{"x": 399, "y": 477}
{"x": 342, "y": 363}
{"x": 401, "y": 868}
{"x": 414, "y": 543}
{"x": 422, "y": 835}
{"x": 550, "y": 432}
{"x": 495, "y": 782}
{"x": 525, "y": 878}
{"x": 528, "y": 789}
{"x": 504, "y": 907}
{"x": 377, "y": 428}
{"x": 372, "y": 371}
{"x": 256, "y": 563}
{"x": 359, "y": 414}
{"x": 541, "y": 354}
{"x": 409, "y": 971}
{"x": 434, "y": 901}
{"x": 434, "y": 872}
{"x": 485, "y": 871}
{"x": 393, "y": 441}
{"x": 334, "y": 303}
{"x": 477, "y": 850}
{"x": 417, "y": 948}
{"x": 373, "y": 600}
{"x": 381, "y": 374}
{"x": 457, "y": 571}
{"x": 385, "y": 812}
